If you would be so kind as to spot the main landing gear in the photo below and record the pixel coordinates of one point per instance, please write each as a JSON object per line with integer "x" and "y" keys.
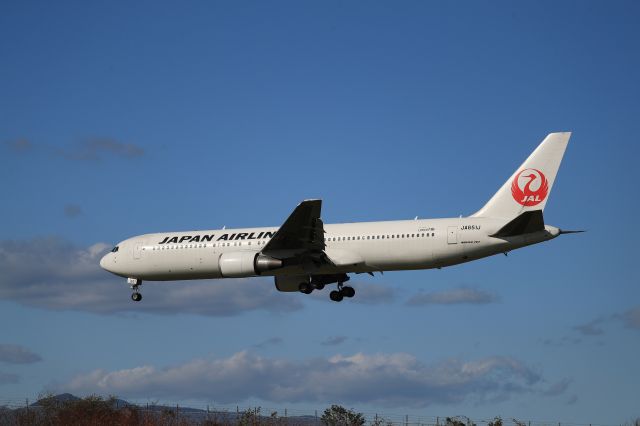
{"x": 135, "y": 284}
{"x": 341, "y": 293}
{"x": 318, "y": 282}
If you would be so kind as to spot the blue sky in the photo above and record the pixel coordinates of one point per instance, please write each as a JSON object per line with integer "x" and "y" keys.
{"x": 120, "y": 119}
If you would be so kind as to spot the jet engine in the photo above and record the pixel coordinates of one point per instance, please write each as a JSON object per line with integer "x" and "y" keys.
{"x": 246, "y": 264}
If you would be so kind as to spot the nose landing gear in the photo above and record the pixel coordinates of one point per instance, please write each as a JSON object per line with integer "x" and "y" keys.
{"x": 135, "y": 284}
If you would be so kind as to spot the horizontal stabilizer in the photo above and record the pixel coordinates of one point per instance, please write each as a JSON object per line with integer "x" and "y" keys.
{"x": 527, "y": 222}
{"x": 565, "y": 231}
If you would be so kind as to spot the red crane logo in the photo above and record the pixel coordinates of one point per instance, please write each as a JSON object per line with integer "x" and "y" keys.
{"x": 530, "y": 187}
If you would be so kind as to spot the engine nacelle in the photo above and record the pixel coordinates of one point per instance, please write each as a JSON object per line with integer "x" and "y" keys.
{"x": 246, "y": 264}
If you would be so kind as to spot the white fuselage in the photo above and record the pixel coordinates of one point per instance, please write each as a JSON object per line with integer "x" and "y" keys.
{"x": 305, "y": 254}
{"x": 352, "y": 247}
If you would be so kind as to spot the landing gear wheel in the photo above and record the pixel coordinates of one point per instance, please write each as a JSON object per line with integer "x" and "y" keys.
{"x": 305, "y": 288}
{"x": 348, "y": 291}
{"x": 319, "y": 286}
{"x": 135, "y": 285}
{"x": 336, "y": 296}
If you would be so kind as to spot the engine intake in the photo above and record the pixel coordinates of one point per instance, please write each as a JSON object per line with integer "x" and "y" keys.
{"x": 246, "y": 264}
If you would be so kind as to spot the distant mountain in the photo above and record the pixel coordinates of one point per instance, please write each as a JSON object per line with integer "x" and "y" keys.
{"x": 67, "y": 397}
{"x": 193, "y": 414}
{"x": 60, "y": 398}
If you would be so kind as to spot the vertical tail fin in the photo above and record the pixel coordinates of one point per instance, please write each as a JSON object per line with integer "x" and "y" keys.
{"x": 529, "y": 186}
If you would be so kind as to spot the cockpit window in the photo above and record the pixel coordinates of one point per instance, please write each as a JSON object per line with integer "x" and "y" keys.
{"x": 115, "y": 249}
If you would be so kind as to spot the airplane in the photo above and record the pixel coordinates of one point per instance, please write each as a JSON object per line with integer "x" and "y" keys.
{"x": 304, "y": 254}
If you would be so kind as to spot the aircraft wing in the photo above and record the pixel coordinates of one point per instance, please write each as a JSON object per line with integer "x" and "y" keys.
{"x": 301, "y": 233}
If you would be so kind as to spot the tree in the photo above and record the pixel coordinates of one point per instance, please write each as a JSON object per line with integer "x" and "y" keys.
{"x": 458, "y": 421}
{"x": 250, "y": 417}
{"x": 497, "y": 421}
{"x": 337, "y": 415}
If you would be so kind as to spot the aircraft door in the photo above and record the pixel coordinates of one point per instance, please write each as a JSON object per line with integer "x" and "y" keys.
{"x": 137, "y": 251}
{"x": 452, "y": 235}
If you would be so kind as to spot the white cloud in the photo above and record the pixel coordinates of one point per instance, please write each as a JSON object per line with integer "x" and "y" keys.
{"x": 19, "y": 145}
{"x": 15, "y": 354}
{"x": 367, "y": 293}
{"x": 334, "y": 341}
{"x": 557, "y": 388}
{"x": 592, "y": 328}
{"x": 384, "y": 379}
{"x": 455, "y": 296}
{"x": 72, "y": 210}
{"x": 374, "y": 294}
{"x": 96, "y": 148}
{"x": 631, "y": 318}
{"x": 53, "y": 274}
{"x": 8, "y": 378}
{"x": 272, "y": 341}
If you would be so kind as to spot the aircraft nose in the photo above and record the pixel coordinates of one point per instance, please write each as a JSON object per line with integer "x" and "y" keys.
{"x": 104, "y": 262}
